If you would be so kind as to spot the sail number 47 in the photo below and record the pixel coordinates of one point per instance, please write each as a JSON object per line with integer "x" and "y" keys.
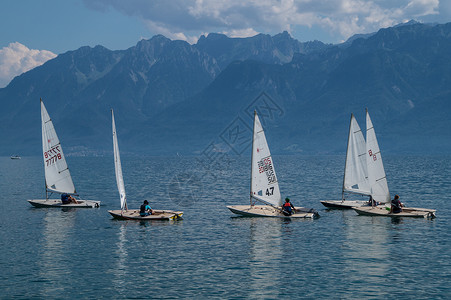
{"x": 270, "y": 191}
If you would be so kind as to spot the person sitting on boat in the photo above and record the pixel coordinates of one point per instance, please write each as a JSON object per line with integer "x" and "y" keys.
{"x": 396, "y": 205}
{"x": 145, "y": 209}
{"x": 288, "y": 207}
{"x": 68, "y": 199}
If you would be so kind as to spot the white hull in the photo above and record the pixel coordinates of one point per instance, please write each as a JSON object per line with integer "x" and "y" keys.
{"x": 421, "y": 209}
{"x": 346, "y": 204}
{"x": 58, "y": 203}
{"x": 406, "y": 212}
{"x": 133, "y": 214}
{"x": 269, "y": 211}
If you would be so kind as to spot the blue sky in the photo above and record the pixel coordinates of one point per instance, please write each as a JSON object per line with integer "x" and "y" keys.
{"x": 34, "y": 31}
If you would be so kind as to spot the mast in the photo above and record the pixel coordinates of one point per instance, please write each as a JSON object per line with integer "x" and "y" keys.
{"x": 346, "y": 161}
{"x": 252, "y": 156}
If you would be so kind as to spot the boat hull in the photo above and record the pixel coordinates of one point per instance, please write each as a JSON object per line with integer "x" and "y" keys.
{"x": 384, "y": 212}
{"x": 269, "y": 211}
{"x": 346, "y": 204}
{"x": 58, "y": 203}
{"x": 133, "y": 214}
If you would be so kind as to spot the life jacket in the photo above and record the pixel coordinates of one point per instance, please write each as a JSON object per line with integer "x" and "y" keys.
{"x": 142, "y": 209}
{"x": 287, "y": 207}
{"x": 396, "y": 206}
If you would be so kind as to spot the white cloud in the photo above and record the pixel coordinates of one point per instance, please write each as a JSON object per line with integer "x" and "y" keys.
{"x": 17, "y": 59}
{"x": 240, "y": 33}
{"x": 160, "y": 29}
{"x": 187, "y": 19}
{"x": 418, "y": 8}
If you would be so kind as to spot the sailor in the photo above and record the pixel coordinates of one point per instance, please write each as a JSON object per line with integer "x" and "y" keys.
{"x": 396, "y": 205}
{"x": 67, "y": 199}
{"x": 145, "y": 209}
{"x": 287, "y": 207}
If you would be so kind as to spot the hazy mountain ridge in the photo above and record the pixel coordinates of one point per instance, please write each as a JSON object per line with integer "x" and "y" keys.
{"x": 170, "y": 96}
{"x": 401, "y": 74}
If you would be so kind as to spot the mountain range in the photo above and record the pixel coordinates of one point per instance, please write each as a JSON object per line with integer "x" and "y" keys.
{"x": 171, "y": 97}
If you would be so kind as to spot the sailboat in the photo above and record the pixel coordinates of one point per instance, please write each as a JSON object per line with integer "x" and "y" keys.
{"x": 57, "y": 175}
{"x": 133, "y": 214}
{"x": 378, "y": 182}
{"x": 264, "y": 184}
{"x": 355, "y": 179}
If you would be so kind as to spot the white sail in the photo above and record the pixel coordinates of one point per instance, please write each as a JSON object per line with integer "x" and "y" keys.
{"x": 376, "y": 172}
{"x": 264, "y": 185}
{"x": 356, "y": 174}
{"x": 118, "y": 167}
{"x": 57, "y": 175}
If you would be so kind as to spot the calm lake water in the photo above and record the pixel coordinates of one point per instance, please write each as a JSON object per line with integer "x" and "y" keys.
{"x": 84, "y": 253}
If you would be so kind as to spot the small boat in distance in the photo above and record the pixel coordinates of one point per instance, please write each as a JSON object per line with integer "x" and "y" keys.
{"x": 15, "y": 157}
{"x": 378, "y": 182}
{"x": 264, "y": 184}
{"x": 57, "y": 175}
{"x": 133, "y": 214}
{"x": 355, "y": 178}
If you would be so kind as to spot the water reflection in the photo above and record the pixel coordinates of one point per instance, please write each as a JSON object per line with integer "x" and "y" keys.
{"x": 121, "y": 254}
{"x": 56, "y": 251}
{"x": 366, "y": 255}
{"x": 265, "y": 257}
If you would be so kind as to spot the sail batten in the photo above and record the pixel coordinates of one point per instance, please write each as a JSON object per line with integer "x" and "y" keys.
{"x": 57, "y": 175}
{"x": 264, "y": 184}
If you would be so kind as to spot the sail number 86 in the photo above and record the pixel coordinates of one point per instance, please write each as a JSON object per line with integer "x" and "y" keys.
{"x": 370, "y": 152}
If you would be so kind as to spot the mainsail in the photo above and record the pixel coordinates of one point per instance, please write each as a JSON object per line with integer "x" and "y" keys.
{"x": 356, "y": 174}
{"x": 118, "y": 167}
{"x": 264, "y": 185}
{"x": 376, "y": 172}
{"x": 57, "y": 175}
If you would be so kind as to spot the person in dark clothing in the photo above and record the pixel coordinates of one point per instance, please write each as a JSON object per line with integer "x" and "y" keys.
{"x": 68, "y": 199}
{"x": 145, "y": 209}
{"x": 396, "y": 205}
{"x": 288, "y": 207}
